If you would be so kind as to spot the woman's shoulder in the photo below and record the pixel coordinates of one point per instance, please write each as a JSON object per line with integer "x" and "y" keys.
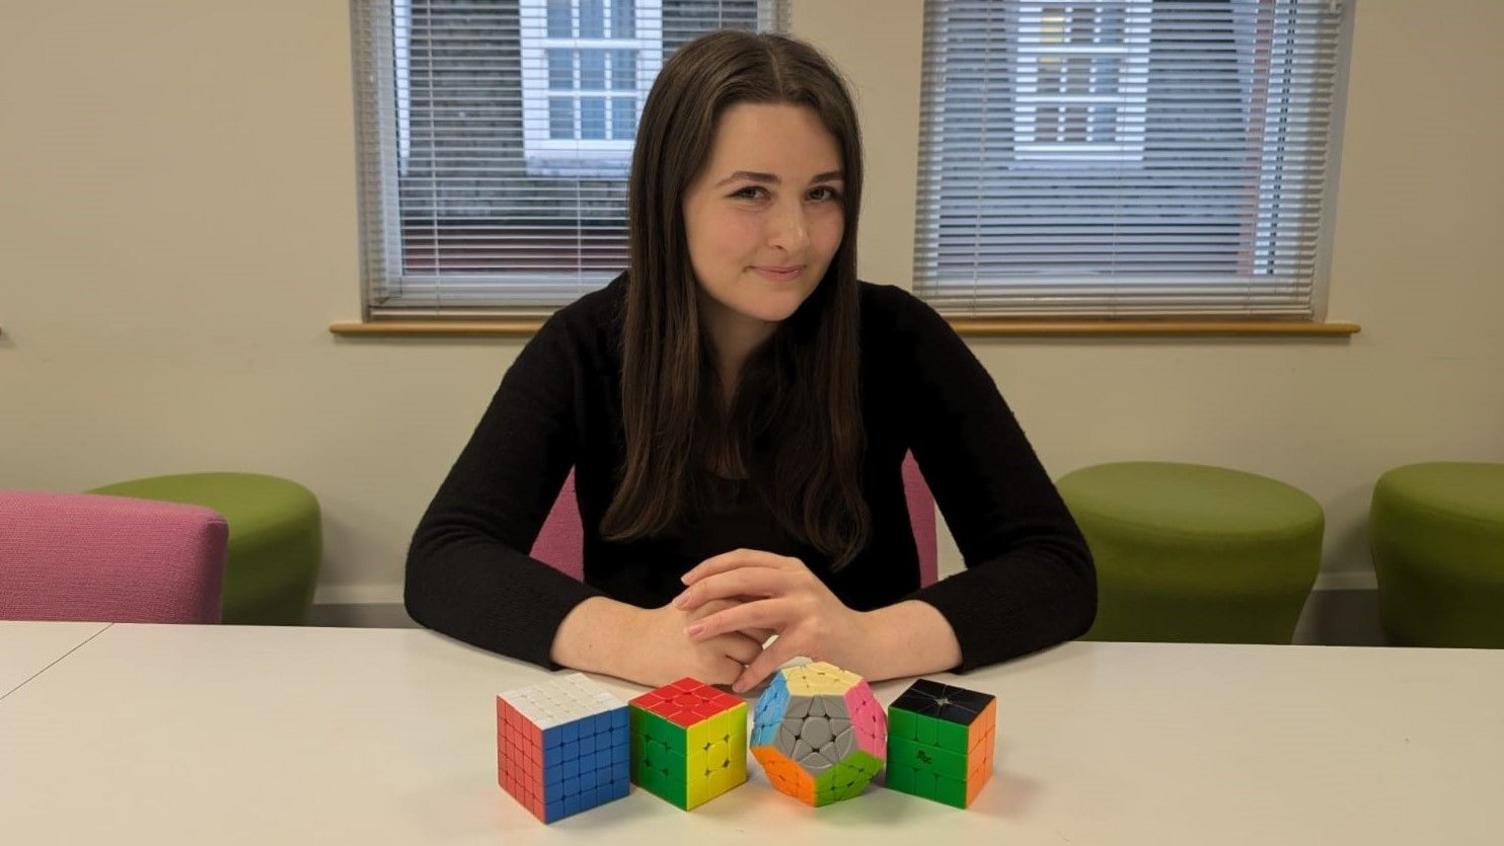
{"x": 889, "y": 309}
{"x": 593, "y": 321}
{"x": 600, "y": 307}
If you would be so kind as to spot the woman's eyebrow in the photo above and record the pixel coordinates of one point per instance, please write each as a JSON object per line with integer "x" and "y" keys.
{"x": 771, "y": 179}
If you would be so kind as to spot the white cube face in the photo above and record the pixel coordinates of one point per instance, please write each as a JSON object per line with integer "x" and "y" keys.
{"x": 561, "y": 700}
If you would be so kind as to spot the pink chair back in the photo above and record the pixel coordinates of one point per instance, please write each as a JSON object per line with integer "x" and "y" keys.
{"x": 561, "y": 540}
{"x": 109, "y": 559}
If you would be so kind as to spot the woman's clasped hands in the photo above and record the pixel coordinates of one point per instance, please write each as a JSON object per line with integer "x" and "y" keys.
{"x": 747, "y": 595}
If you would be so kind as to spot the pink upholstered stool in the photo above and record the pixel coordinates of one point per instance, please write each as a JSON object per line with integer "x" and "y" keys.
{"x": 109, "y": 559}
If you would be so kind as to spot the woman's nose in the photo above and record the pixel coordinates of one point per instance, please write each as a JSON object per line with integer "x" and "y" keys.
{"x": 789, "y": 229}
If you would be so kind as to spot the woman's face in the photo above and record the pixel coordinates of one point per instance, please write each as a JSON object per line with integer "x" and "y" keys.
{"x": 764, "y": 217}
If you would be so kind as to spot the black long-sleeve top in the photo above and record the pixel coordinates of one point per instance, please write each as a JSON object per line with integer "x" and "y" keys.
{"x": 1029, "y": 582}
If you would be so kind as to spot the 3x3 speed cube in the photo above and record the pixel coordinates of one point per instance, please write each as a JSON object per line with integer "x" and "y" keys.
{"x": 940, "y": 741}
{"x": 689, "y": 742}
{"x": 561, "y": 746}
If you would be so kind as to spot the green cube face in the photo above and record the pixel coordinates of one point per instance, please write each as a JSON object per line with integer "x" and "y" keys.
{"x": 940, "y": 742}
{"x": 689, "y": 742}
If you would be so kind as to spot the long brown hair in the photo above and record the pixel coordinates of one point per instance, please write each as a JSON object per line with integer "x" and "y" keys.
{"x": 795, "y": 421}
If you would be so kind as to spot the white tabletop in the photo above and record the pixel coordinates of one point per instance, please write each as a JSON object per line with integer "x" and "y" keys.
{"x": 27, "y": 649}
{"x": 182, "y": 734}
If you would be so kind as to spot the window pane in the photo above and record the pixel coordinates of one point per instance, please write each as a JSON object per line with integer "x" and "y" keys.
{"x": 593, "y": 118}
{"x": 624, "y": 118}
{"x": 592, "y": 19}
{"x": 561, "y": 118}
{"x": 623, "y": 19}
{"x": 593, "y": 70}
{"x": 558, "y": 19}
{"x": 624, "y": 70}
{"x": 561, "y": 69}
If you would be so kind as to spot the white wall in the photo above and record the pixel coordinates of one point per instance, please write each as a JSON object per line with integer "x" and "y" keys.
{"x": 178, "y": 229}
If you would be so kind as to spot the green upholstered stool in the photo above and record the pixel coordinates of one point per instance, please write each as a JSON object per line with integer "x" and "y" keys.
{"x": 1187, "y": 552}
{"x": 275, "y": 539}
{"x": 1438, "y": 548}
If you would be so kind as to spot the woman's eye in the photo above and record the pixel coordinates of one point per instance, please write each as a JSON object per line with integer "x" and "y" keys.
{"x": 750, "y": 192}
{"x": 830, "y": 193}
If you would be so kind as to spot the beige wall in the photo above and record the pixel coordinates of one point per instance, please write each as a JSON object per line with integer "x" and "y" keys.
{"x": 178, "y": 229}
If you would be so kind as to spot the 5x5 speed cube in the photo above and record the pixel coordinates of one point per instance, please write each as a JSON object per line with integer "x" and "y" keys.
{"x": 561, "y": 746}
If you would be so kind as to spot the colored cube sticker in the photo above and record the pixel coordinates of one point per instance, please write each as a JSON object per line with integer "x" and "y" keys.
{"x": 940, "y": 741}
{"x": 819, "y": 733}
{"x": 689, "y": 742}
{"x": 561, "y": 746}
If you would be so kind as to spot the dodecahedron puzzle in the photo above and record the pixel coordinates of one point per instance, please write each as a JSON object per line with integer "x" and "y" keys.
{"x": 561, "y": 746}
{"x": 940, "y": 741}
{"x": 689, "y": 742}
{"x": 819, "y": 733}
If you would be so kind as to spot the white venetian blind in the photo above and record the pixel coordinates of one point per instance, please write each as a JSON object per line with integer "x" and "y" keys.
{"x": 496, "y": 138}
{"x": 1125, "y": 157}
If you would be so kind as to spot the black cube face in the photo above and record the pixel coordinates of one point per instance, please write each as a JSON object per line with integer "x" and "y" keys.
{"x": 953, "y": 704}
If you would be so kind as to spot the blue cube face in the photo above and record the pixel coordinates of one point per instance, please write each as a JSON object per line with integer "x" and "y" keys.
{"x": 590, "y": 764}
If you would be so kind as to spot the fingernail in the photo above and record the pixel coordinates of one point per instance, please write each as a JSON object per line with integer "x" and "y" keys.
{"x": 694, "y": 629}
{"x": 739, "y": 686}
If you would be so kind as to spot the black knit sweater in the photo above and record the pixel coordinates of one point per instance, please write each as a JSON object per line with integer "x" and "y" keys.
{"x": 1029, "y": 581}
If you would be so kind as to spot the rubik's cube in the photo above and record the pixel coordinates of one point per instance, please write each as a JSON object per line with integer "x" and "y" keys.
{"x": 561, "y": 746}
{"x": 689, "y": 742}
{"x": 819, "y": 733}
{"x": 940, "y": 741}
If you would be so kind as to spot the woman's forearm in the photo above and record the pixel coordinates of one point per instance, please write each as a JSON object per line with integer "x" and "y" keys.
{"x": 910, "y": 638}
{"x": 591, "y": 636}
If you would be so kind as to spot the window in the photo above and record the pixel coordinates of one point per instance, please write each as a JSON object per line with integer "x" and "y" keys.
{"x": 1127, "y": 157}
{"x": 1081, "y": 75}
{"x": 580, "y": 82}
{"x": 495, "y": 141}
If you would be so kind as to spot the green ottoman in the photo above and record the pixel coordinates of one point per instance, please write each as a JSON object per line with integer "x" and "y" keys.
{"x": 275, "y": 539}
{"x": 1187, "y": 552}
{"x": 1438, "y": 548}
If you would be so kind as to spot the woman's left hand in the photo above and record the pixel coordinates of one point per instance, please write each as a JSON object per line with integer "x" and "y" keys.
{"x": 780, "y": 594}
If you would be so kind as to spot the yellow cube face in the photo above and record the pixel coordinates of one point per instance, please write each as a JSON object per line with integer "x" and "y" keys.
{"x": 716, "y": 758}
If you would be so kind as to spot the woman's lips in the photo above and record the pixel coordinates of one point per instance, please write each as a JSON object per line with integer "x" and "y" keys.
{"x": 778, "y": 275}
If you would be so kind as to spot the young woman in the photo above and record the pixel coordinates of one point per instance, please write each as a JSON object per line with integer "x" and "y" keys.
{"x": 736, "y": 407}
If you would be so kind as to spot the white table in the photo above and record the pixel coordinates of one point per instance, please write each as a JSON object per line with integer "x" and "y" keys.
{"x": 27, "y": 649}
{"x": 184, "y": 734}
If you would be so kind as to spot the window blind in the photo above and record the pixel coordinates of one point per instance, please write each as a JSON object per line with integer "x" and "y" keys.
{"x": 495, "y": 140}
{"x": 1133, "y": 158}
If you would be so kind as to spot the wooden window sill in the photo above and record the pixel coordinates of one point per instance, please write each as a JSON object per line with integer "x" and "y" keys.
{"x": 980, "y": 327}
